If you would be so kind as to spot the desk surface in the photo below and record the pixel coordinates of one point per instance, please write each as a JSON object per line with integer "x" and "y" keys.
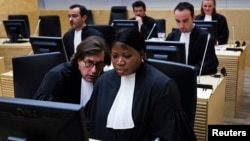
{"x": 207, "y": 79}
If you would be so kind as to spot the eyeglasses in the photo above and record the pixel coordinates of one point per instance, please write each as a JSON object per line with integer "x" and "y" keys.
{"x": 73, "y": 15}
{"x": 91, "y": 64}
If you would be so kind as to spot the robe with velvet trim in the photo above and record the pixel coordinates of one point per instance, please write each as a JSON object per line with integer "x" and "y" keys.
{"x": 222, "y": 27}
{"x": 68, "y": 38}
{"x": 197, "y": 45}
{"x": 156, "y": 108}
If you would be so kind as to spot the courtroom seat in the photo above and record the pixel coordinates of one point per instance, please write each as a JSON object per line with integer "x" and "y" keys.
{"x": 50, "y": 26}
{"x": 160, "y": 25}
{"x": 29, "y": 70}
{"x": 186, "y": 78}
{"x": 118, "y": 13}
{"x": 90, "y": 19}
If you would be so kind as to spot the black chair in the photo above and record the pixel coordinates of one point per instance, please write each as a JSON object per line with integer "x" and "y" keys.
{"x": 118, "y": 13}
{"x": 90, "y": 19}
{"x": 50, "y": 26}
{"x": 186, "y": 79}
{"x": 29, "y": 70}
{"x": 21, "y": 17}
{"x": 161, "y": 25}
{"x": 107, "y": 32}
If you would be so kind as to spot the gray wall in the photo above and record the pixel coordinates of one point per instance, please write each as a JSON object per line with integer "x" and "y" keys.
{"x": 151, "y": 4}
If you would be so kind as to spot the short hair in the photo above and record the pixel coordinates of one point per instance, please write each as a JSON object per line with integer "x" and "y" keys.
{"x": 83, "y": 9}
{"x": 131, "y": 37}
{"x": 92, "y": 45}
{"x": 139, "y": 4}
{"x": 214, "y": 10}
{"x": 185, "y": 6}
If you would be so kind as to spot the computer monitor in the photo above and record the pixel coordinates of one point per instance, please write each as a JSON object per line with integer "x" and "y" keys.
{"x": 45, "y": 44}
{"x": 166, "y": 50}
{"x": 35, "y": 120}
{"x": 16, "y": 30}
{"x": 21, "y": 17}
{"x": 119, "y": 24}
{"x": 209, "y": 26}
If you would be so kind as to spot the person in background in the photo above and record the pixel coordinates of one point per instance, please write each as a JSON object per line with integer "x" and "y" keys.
{"x": 79, "y": 30}
{"x": 195, "y": 40}
{"x": 208, "y": 13}
{"x": 72, "y": 82}
{"x": 145, "y": 22}
{"x": 135, "y": 101}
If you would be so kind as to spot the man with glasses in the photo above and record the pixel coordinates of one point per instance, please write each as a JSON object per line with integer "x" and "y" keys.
{"x": 72, "y": 82}
{"x": 77, "y": 16}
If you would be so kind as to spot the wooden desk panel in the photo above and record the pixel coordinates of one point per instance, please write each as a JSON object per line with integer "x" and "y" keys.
{"x": 8, "y": 50}
{"x": 234, "y": 62}
{"x": 210, "y": 110}
{"x": 6, "y": 81}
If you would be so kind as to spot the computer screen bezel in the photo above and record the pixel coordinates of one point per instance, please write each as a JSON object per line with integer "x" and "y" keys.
{"x": 166, "y": 50}
{"x": 45, "y": 44}
{"x": 35, "y": 120}
{"x": 21, "y": 30}
{"x": 209, "y": 26}
{"x": 120, "y": 24}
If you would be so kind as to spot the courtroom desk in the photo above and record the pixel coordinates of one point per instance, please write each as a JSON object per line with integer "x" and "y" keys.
{"x": 9, "y": 50}
{"x": 2, "y": 70}
{"x": 210, "y": 105}
{"x": 6, "y": 81}
{"x": 234, "y": 62}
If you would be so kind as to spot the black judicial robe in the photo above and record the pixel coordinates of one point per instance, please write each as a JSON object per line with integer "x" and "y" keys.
{"x": 68, "y": 38}
{"x": 62, "y": 84}
{"x": 222, "y": 27}
{"x": 156, "y": 109}
{"x": 197, "y": 45}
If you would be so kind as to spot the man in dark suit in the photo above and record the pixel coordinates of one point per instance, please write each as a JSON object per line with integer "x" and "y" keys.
{"x": 195, "y": 40}
{"x": 145, "y": 22}
{"x": 79, "y": 30}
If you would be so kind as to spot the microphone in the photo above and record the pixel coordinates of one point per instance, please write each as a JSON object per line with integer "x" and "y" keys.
{"x": 199, "y": 85}
{"x": 37, "y": 26}
{"x": 151, "y": 31}
{"x": 233, "y": 34}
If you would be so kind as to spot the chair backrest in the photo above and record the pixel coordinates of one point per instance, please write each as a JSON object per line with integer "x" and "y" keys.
{"x": 50, "y": 26}
{"x": 118, "y": 13}
{"x": 186, "y": 78}
{"x": 161, "y": 25}
{"x": 107, "y": 32}
{"x": 29, "y": 70}
{"x": 90, "y": 19}
{"x": 21, "y": 17}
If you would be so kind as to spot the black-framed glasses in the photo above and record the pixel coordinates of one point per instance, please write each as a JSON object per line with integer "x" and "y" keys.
{"x": 73, "y": 15}
{"x": 91, "y": 64}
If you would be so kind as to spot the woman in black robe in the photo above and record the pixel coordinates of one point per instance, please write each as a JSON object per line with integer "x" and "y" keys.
{"x": 135, "y": 101}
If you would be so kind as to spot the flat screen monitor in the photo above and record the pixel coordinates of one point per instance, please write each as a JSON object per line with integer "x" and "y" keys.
{"x": 209, "y": 26}
{"x": 119, "y": 24}
{"x": 21, "y": 17}
{"x": 45, "y": 44}
{"x": 166, "y": 50}
{"x": 16, "y": 30}
{"x": 35, "y": 120}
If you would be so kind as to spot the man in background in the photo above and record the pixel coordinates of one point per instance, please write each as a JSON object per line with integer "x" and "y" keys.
{"x": 79, "y": 30}
{"x": 145, "y": 22}
{"x": 196, "y": 40}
